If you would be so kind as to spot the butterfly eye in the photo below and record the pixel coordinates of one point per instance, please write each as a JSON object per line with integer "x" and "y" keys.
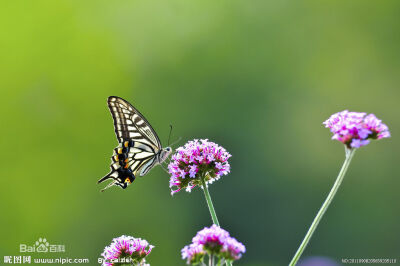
{"x": 127, "y": 180}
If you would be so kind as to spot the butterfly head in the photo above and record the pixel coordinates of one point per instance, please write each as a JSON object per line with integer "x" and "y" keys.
{"x": 165, "y": 153}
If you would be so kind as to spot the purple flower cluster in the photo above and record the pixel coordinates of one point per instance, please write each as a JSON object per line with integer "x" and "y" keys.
{"x": 126, "y": 249}
{"x": 196, "y": 160}
{"x": 214, "y": 241}
{"x": 355, "y": 129}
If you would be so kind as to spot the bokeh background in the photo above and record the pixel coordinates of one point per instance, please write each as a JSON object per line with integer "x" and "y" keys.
{"x": 257, "y": 77}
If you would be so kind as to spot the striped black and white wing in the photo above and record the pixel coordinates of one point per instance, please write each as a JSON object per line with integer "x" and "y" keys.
{"x": 129, "y": 123}
{"x": 138, "y": 143}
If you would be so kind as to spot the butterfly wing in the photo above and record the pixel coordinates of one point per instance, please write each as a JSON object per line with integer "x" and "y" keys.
{"x": 129, "y": 123}
{"x": 138, "y": 147}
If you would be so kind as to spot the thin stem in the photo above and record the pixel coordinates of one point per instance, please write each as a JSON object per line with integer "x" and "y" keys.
{"x": 211, "y": 207}
{"x": 211, "y": 260}
{"x": 322, "y": 210}
{"x": 209, "y": 202}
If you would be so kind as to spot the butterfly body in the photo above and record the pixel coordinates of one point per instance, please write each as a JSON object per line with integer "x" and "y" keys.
{"x": 139, "y": 148}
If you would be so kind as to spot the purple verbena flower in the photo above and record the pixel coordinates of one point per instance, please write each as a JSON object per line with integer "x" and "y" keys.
{"x": 126, "y": 249}
{"x": 195, "y": 160}
{"x": 355, "y": 129}
{"x": 215, "y": 241}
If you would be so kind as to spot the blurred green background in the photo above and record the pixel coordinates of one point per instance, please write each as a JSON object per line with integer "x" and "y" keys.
{"x": 257, "y": 77}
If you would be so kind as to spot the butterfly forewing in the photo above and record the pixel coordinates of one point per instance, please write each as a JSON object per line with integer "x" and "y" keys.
{"x": 129, "y": 123}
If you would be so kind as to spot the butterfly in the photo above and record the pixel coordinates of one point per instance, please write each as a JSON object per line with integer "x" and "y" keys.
{"x": 139, "y": 148}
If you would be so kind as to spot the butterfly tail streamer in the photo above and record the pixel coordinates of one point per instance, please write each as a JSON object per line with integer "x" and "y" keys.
{"x": 109, "y": 185}
{"x": 108, "y": 176}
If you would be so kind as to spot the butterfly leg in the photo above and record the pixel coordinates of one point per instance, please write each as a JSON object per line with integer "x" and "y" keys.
{"x": 163, "y": 167}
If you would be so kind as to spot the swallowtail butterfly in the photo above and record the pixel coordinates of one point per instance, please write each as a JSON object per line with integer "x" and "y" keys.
{"x": 139, "y": 148}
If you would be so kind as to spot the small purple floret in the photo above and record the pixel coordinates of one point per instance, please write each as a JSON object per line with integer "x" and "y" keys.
{"x": 197, "y": 159}
{"x": 356, "y": 129}
{"x": 193, "y": 253}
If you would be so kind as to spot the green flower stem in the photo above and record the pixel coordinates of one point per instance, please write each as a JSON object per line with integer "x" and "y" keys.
{"x": 209, "y": 202}
{"x": 211, "y": 261}
{"x": 211, "y": 207}
{"x": 331, "y": 195}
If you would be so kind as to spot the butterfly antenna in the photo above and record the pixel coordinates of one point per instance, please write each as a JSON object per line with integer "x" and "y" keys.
{"x": 170, "y": 131}
{"x": 175, "y": 142}
{"x": 109, "y": 185}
